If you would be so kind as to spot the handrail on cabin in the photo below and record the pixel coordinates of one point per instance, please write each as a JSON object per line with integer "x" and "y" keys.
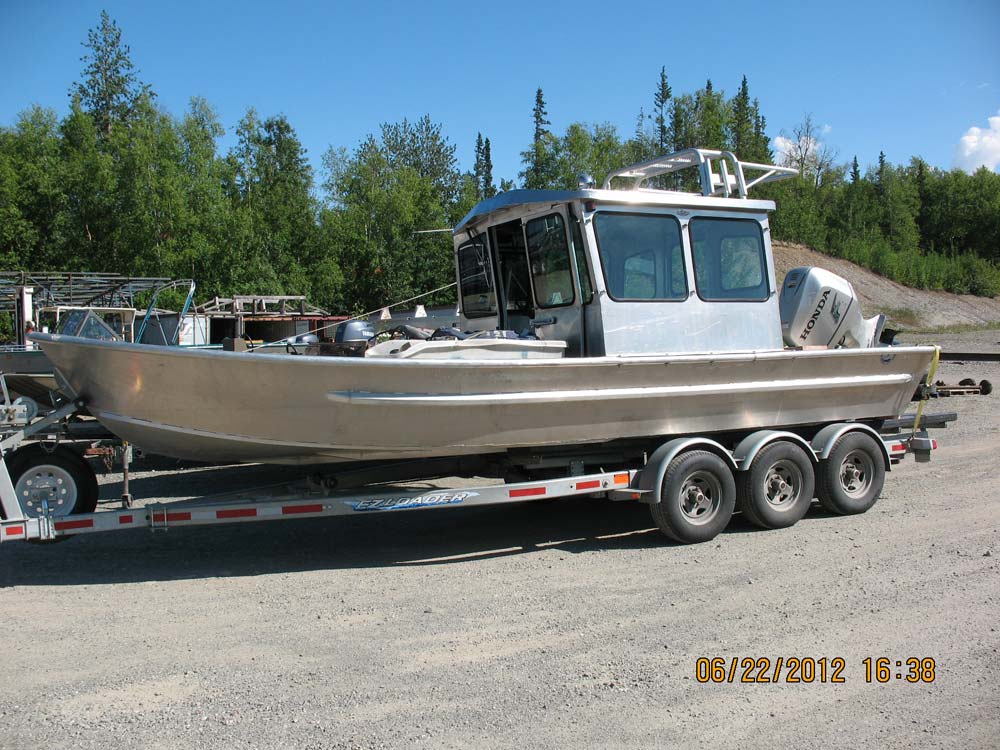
{"x": 720, "y": 172}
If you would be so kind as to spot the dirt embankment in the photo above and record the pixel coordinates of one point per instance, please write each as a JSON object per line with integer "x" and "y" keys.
{"x": 906, "y": 307}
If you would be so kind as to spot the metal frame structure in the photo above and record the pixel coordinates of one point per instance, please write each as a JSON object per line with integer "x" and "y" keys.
{"x": 257, "y": 308}
{"x": 255, "y": 305}
{"x": 720, "y": 172}
{"x": 302, "y": 500}
{"x": 25, "y": 293}
{"x": 70, "y": 289}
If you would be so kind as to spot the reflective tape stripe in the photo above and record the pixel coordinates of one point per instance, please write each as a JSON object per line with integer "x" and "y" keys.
{"x": 85, "y": 523}
{"x": 289, "y": 510}
{"x": 588, "y": 485}
{"x": 621, "y": 478}
{"x": 527, "y": 492}
{"x": 14, "y": 530}
{"x": 236, "y": 513}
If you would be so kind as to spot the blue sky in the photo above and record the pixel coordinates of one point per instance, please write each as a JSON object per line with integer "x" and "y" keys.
{"x": 910, "y": 78}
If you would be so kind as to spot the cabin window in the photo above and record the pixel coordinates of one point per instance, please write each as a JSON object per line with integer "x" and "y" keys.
{"x": 475, "y": 274}
{"x": 642, "y": 256}
{"x": 548, "y": 258}
{"x": 586, "y": 288}
{"x": 512, "y": 268}
{"x": 729, "y": 260}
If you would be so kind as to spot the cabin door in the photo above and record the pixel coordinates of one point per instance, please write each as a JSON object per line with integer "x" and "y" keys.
{"x": 558, "y": 307}
{"x": 516, "y": 306}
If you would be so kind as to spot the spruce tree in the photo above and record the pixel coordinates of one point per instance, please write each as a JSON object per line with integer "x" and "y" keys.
{"x": 742, "y": 126}
{"x": 661, "y": 102}
{"x": 478, "y": 167}
{"x": 540, "y": 160}
{"x": 711, "y": 117}
{"x": 539, "y": 114}
{"x": 488, "y": 189}
{"x": 110, "y": 88}
{"x": 761, "y": 148}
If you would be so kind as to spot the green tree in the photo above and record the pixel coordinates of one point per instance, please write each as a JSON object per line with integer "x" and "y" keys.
{"x": 32, "y": 192}
{"x": 488, "y": 188}
{"x": 423, "y": 147}
{"x": 642, "y": 145}
{"x": 661, "y": 104}
{"x": 593, "y": 150}
{"x": 110, "y": 88}
{"x": 741, "y": 128}
{"x": 380, "y": 205}
{"x": 712, "y": 117}
{"x": 91, "y": 187}
{"x": 201, "y": 254}
{"x": 483, "y": 169}
{"x": 274, "y": 235}
{"x": 149, "y": 222}
{"x": 760, "y": 145}
{"x": 540, "y": 160}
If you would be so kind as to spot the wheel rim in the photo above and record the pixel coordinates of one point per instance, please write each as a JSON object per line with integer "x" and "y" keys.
{"x": 856, "y": 473}
{"x": 782, "y": 484}
{"x": 46, "y": 484}
{"x": 701, "y": 497}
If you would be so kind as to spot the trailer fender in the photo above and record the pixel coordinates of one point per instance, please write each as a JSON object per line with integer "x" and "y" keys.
{"x": 825, "y": 439}
{"x": 651, "y": 476}
{"x": 752, "y": 444}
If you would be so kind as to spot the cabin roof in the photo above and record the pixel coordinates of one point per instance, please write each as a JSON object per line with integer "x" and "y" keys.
{"x": 507, "y": 205}
{"x": 724, "y": 181}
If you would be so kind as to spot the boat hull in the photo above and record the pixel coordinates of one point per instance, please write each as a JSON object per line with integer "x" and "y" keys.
{"x": 227, "y": 406}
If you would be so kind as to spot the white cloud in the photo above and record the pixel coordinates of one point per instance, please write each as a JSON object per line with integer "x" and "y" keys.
{"x": 791, "y": 151}
{"x": 825, "y": 130}
{"x": 980, "y": 147}
{"x": 782, "y": 147}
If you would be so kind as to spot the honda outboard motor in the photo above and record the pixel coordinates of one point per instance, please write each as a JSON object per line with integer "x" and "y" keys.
{"x": 819, "y": 308}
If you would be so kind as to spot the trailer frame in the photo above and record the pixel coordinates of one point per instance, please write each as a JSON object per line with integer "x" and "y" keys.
{"x": 313, "y": 497}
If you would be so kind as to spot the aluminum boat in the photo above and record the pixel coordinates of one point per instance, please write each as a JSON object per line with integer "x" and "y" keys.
{"x": 663, "y": 304}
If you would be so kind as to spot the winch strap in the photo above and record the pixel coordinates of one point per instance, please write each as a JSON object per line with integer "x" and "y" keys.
{"x": 930, "y": 381}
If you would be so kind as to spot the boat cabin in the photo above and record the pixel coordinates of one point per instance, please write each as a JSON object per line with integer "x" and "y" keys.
{"x": 647, "y": 269}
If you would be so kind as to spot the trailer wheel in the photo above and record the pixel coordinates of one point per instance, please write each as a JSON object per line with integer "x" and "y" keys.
{"x": 61, "y": 478}
{"x": 777, "y": 489}
{"x": 697, "y": 497}
{"x": 850, "y": 480}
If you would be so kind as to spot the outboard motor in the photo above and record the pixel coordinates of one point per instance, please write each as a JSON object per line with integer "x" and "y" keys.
{"x": 819, "y": 308}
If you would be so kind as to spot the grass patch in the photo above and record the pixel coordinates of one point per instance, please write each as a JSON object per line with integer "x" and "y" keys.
{"x": 959, "y": 328}
{"x": 900, "y": 316}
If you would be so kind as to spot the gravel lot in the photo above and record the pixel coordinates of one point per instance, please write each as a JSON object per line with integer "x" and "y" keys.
{"x": 562, "y": 624}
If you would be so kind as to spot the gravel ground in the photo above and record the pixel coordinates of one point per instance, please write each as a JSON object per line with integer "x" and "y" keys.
{"x": 981, "y": 340}
{"x": 561, "y": 624}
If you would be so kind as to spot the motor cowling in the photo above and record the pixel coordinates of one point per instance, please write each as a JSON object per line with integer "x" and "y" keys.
{"x": 820, "y": 308}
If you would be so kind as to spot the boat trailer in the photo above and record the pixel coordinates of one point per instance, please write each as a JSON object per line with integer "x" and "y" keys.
{"x": 32, "y": 512}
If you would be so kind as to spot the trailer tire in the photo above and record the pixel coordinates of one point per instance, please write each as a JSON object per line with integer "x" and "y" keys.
{"x": 851, "y": 478}
{"x": 697, "y": 497}
{"x": 778, "y": 488}
{"x": 68, "y": 476}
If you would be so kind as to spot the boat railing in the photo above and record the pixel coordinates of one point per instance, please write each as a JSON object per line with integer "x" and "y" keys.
{"x": 721, "y": 173}
{"x": 151, "y": 310}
